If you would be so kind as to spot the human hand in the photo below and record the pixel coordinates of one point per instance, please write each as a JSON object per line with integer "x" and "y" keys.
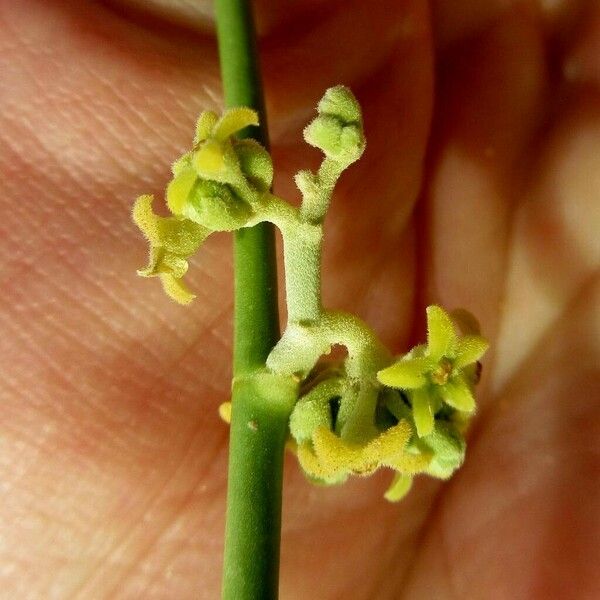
{"x": 112, "y": 456}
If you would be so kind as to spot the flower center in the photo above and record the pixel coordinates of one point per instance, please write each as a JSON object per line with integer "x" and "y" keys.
{"x": 441, "y": 374}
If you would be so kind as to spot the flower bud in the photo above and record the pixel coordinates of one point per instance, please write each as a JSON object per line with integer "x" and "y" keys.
{"x": 339, "y": 140}
{"x": 216, "y": 207}
{"x": 340, "y": 102}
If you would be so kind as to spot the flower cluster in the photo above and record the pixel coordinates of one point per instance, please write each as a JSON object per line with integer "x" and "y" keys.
{"x": 214, "y": 188}
{"x": 417, "y": 418}
{"x": 439, "y": 373}
{"x": 369, "y": 411}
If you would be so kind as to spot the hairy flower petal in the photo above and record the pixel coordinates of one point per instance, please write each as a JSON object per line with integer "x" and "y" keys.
{"x": 179, "y": 189}
{"x": 469, "y": 349}
{"x": 457, "y": 393}
{"x": 234, "y": 120}
{"x": 205, "y": 125}
{"x": 422, "y": 411}
{"x": 399, "y": 487}
{"x": 176, "y": 289}
{"x": 441, "y": 334}
{"x": 406, "y": 374}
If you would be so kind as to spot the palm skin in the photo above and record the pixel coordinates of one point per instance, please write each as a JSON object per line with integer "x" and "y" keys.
{"x": 479, "y": 188}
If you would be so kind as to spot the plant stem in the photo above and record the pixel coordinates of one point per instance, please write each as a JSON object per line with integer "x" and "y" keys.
{"x": 258, "y": 427}
{"x": 255, "y": 312}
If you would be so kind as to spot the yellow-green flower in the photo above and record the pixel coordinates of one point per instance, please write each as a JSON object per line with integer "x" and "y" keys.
{"x": 211, "y": 190}
{"x": 439, "y": 372}
{"x": 212, "y": 183}
{"x": 212, "y": 158}
{"x": 172, "y": 241}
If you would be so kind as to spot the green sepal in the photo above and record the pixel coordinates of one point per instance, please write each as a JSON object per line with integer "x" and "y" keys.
{"x": 313, "y": 410}
{"x": 214, "y": 206}
{"x": 339, "y": 142}
{"x": 340, "y": 102}
{"x": 255, "y": 163}
{"x": 448, "y": 447}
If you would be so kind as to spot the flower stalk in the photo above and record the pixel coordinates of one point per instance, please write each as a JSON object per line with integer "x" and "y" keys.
{"x": 343, "y": 417}
{"x": 258, "y": 427}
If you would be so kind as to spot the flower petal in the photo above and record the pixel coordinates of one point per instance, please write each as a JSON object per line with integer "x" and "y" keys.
{"x": 399, "y": 487}
{"x": 234, "y": 120}
{"x": 146, "y": 220}
{"x": 422, "y": 411}
{"x": 387, "y": 446}
{"x": 314, "y": 468}
{"x": 457, "y": 393}
{"x": 333, "y": 453}
{"x": 180, "y": 236}
{"x": 209, "y": 160}
{"x": 340, "y": 456}
{"x": 406, "y": 374}
{"x": 225, "y": 412}
{"x": 179, "y": 189}
{"x": 176, "y": 289}
{"x": 470, "y": 349}
{"x": 409, "y": 463}
{"x": 310, "y": 463}
{"x": 172, "y": 241}
{"x": 441, "y": 335}
{"x": 204, "y": 126}
{"x": 163, "y": 261}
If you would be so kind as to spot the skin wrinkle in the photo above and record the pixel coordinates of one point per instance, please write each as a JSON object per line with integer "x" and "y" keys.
{"x": 530, "y": 233}
{"x": 182, "y": 464}
{"x": 66, "y": 381}
{"x": 341, "y": 587}
{"x": 470, "y": 133}
{"x": 65, "y": 332}
{"x": 165, "y": 569}
{"x": 84, "y": 276}
{"x": 451, "y": 587}
{"x": 166, "y": 137}
{"x": 380, "y": 584}
{"x": 165, "y": 524}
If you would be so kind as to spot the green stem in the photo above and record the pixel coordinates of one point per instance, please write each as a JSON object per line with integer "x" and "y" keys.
{"x": 302, "y": 258}
{"x": 302, "y": 244}
{"x": 258, "y": 428}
